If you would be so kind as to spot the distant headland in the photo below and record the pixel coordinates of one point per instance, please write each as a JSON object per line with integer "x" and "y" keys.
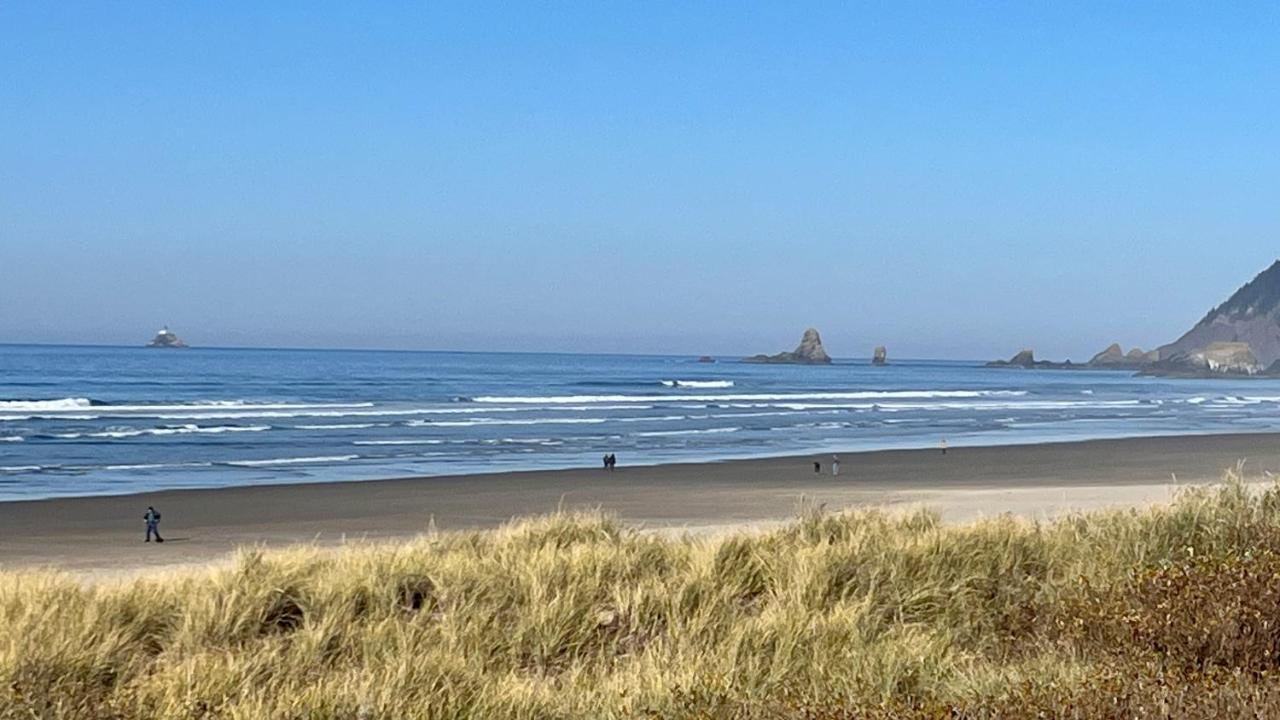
{"x": 1238, "y": 339}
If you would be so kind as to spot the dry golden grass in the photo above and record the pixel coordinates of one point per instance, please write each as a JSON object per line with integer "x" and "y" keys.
{"x": 1165, "y": 612}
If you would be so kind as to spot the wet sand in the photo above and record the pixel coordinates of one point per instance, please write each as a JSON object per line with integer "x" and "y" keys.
{"x": 104, "y": 534}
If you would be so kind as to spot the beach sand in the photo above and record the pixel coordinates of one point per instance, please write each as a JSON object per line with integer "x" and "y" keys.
{"x": 103, "y": 535}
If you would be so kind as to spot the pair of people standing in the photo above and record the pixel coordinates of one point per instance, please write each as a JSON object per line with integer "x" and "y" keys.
{"x": 835, "y": 465}
{"x": 610, "y": 461}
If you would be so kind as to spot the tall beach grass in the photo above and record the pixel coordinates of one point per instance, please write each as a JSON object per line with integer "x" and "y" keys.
{"x": 1170, "y": 611}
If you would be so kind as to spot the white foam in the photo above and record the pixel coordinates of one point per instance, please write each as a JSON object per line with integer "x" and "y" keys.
{"x": 63, "y": 404}
{"x": 293, "y": 461}
{"x": 10, "y": 418}
{"x": 12, "y": 438}
{"x": 699, "y": 383}
{"x": 861, "y": 395}
{"x": 342, "y": 426}
{"x": 663, "y": 433}
{"x": 398, "y": 442}
{"x": 20, "y": 468}
{"x": 498, "y": 421}
{"x": 81, "y": 404}
{"x": 153, "y": 466}
{"x": 183, "y": 430}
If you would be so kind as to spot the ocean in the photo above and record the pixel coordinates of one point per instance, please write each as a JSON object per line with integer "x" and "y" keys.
{"x": 108, "y": 420}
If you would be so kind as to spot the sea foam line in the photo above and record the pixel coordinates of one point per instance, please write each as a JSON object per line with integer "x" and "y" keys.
{"x": 292, "y": 461}
{"x": 79, "y": 404}
{"x": 184, "y": 430}
{"x": 862, "y": 395}
{"x": 709, "y": 431}
{"x": 698, "y": 383}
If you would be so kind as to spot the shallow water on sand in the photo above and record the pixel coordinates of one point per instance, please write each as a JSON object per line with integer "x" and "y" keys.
{"x": 93, "y": 420}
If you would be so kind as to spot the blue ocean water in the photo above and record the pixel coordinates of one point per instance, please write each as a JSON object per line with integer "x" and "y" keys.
{"x": 96, "y": 420}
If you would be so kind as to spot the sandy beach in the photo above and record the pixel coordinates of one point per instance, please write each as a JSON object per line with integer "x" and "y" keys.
{"x": 104, "y": 534}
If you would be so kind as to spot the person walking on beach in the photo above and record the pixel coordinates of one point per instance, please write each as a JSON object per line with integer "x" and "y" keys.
{"x": 606, "y": 461}
{"x": 152, "y": 519}
{"x": 835, "y": 465}
{"x": 613, "y": 461}
{"x": 944, "y": 446}
{"x": 817, "y": 466}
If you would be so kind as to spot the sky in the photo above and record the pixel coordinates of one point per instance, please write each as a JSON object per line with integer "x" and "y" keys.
{"x": 951, "y": 180}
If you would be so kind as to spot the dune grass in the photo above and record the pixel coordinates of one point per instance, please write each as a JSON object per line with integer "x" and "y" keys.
{"x": 1164, "y": 612}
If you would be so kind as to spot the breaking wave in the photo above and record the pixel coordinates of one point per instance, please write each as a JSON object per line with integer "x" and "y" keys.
{"x": 698, "y": 383}
{"x": 121, "y": 433}
{"x": 710, "y": 431}
{"x": 62, "y": 405}
{"x": 79, "y": 404}
{"x": 759, "y": 397}
{"x": 293, "y": 461}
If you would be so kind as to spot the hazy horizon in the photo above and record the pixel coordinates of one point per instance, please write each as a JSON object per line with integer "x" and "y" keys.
{"x": 951, "y": 182}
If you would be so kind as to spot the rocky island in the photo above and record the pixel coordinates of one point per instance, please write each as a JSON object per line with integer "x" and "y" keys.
{"x": 166, "y": 339}
{"x": 1113, "y": 358}
{"x": 880, "y": 356}
{"x": 808, "y": 352}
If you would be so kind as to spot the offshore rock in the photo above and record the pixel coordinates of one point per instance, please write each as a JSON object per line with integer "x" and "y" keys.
{"x": 166, "y": 339}
{"x": 808, "y": 352}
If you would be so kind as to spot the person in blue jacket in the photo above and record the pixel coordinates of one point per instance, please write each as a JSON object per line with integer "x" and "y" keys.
{"x": 152, "y": 519}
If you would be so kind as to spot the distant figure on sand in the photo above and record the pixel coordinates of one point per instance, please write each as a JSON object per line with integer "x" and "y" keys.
{"x": 606, "y": 461}
{"x": 835, "y": 465}
{"x": 817, "y": 466}
{"x": 944, "y": 446}
{"x": 152, "y": 519}
{"x": 610, "y": 461}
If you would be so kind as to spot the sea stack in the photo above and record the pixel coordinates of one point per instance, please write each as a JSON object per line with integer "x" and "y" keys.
{"x": 880, "y": 356}
{"x": 808, "y": 352}
{"x": 166, "y": 339}
{"x": 1023, "y": 359}
{"x": 1114, "y": 358}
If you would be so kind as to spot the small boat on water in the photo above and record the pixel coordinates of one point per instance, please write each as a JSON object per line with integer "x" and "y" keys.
{"x": 166, "y": 339}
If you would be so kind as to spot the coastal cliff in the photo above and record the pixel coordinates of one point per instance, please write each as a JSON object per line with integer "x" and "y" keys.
{"x": 808, "y": 352}
{"x": 1251, "y": 316}
{"x": 1239, "y": 338}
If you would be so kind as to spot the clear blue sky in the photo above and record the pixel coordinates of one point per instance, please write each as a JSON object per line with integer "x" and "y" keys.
{"x": 948, "y": 179}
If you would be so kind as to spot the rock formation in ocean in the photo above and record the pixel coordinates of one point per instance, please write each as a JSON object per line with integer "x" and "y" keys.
{"x": 1113, "y": 355}
{"x": 1114, "y": 358}
{"x": 809, "y": 352}
{"x": 1022, "y": 359}
{"x": 166, "y": 339}
{"x": 1250, "y": 316}
{"x": 879, "y": 356}
{"x": 706, "y": 359}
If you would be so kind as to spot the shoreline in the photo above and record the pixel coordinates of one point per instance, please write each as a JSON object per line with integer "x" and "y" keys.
{"x": 97, "y": 534}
